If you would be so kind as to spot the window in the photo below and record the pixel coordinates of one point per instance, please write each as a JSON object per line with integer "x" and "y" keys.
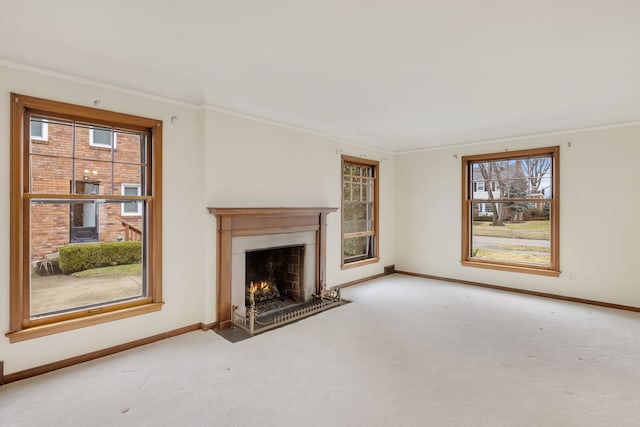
{"x": 359, "y": 211}
{"x": 513, "y": 225}
{"x": 99, "y": 137}
{"x": 131, "y": 208}
{"x": 39, "y": 129}
{"x": 67, "y": 205}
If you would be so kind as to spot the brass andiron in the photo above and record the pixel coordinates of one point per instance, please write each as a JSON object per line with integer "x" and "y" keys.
{"x": 252, "y": 310}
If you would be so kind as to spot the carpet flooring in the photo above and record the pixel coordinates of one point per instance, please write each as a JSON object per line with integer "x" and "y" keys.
{"x": 406, "y": 352}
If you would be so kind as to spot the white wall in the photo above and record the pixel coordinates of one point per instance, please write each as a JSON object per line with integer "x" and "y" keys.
{"x": 211, "y": 158}
{"x": 254, "y": 163}
{"x": 599, "y": 230}
{"x": 214, "y": 158}
{"x": 184, "y": 219}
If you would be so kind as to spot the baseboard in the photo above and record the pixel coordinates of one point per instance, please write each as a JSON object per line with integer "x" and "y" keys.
{"x": 208, "y": 326}
{"x": 43, "y": 369}
{"x": 49, "y": 367}
{"x": 523, "y": 291}
{"x": 358, "y": 281}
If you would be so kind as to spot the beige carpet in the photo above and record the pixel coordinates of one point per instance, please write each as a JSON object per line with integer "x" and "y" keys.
{"x": 406, "y": 352}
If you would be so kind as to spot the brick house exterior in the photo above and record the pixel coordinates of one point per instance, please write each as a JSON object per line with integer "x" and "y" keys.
{"x": 97, "y": 169}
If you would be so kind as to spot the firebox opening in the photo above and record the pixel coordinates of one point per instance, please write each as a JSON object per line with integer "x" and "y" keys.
{"x": 276, "y": 276}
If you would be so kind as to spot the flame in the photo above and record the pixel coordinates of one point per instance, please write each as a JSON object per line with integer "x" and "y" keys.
{"x": 262, "y": 286}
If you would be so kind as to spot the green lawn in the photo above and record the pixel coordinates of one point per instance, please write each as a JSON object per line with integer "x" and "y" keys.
{"x": 524, "y": 230}
{"x": 116, "y": 270}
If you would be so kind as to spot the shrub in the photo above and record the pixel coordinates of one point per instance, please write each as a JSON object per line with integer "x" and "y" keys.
{"x": 532, "y": 213}
{"x": 84, "y": 256}
{"x": 485, "y": 218}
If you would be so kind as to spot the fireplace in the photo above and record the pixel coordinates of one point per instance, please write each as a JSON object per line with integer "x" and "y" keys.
{"x": 275, "y": 276}
{"x": 281, "y": 269}
{"x": 245, "y": 232}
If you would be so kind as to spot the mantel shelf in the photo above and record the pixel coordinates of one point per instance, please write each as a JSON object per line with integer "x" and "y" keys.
{"x": 269, "y": 211}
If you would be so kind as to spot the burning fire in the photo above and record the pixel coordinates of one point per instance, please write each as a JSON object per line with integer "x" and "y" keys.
{"x": 260, "y": 287}
{"x": 262, "y": 291}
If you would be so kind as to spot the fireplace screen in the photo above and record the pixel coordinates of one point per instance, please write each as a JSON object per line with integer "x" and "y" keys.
{"x": 276, "y": 277}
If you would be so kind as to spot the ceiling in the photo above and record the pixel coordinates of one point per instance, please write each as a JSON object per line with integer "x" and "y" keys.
{"x": 397, "y": 75}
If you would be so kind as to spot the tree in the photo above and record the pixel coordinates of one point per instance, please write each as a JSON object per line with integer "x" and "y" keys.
{"x": 516, "y": 208}
{"x": 494, "y": 171}
{"x": 537, "y": 169}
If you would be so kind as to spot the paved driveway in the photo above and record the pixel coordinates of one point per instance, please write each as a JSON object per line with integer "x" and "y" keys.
{"x": 498, "y": 243}
{"x": 59, "y": 292}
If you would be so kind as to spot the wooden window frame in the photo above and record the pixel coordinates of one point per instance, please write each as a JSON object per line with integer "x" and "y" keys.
{"x": 22, "y": 326}
{"x": 467, "y": 199}
{"x": 376, "y": 230}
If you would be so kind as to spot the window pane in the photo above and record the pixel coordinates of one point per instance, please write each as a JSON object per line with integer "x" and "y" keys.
{"x": 127, "y": 174}
{"x": 129, "y": 147}
{"x": 51, "y": 174}
{"x": 356, "y": 189}
{"x": 346, "y": 191}
{"x": 85, "y": 146}
{"x": 67, "y": 277}
{"x": 96, "y": 172}
{"x": 356, "y": 215}
{"x": 513, "y": 179}
{"x": 507, "y": 233}
{"x": 357, "y": 247}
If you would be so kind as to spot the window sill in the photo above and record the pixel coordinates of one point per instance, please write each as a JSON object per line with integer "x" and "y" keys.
{"x": 359, "y": 263}
{"x": 68, "y": 325}
{"x": 541, "y": 271}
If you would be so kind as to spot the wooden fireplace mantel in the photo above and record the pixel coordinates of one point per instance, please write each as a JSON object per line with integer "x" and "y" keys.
{"x": 235, "y": 222}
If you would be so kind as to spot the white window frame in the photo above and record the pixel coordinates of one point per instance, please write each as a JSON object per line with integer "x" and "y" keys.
{"x": 45, "y": 132}
{"x": 138, "y": 211}
{"x": 93, "y": 144}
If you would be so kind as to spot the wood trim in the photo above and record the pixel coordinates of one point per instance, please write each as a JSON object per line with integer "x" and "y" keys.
{"x": 154, "y": 239}
{"x": 523, "y": 291}
{"x": 21, "y": 325}
{"x": 376, "y": 210}
{"x": 360, "y": 263}
{"x": 358, "y": 281}
{"x": 16, "y": 249}
{"x": 81, "y": 322}
{"x": 49, "y": 367}
{"x": 234, "y": 222}
{"x": 83, "y": 114}
{"x": 466, "y": 260}
{"x": 84, "y": 197}
{"x": 208, "y": 326}
{"x": 87, "y": 312}
{"x": 258, "y": 212}
{"x": 512, "y": 267}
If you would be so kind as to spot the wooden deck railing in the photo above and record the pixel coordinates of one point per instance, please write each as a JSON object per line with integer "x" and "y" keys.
{"x": 131, "y": 232}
